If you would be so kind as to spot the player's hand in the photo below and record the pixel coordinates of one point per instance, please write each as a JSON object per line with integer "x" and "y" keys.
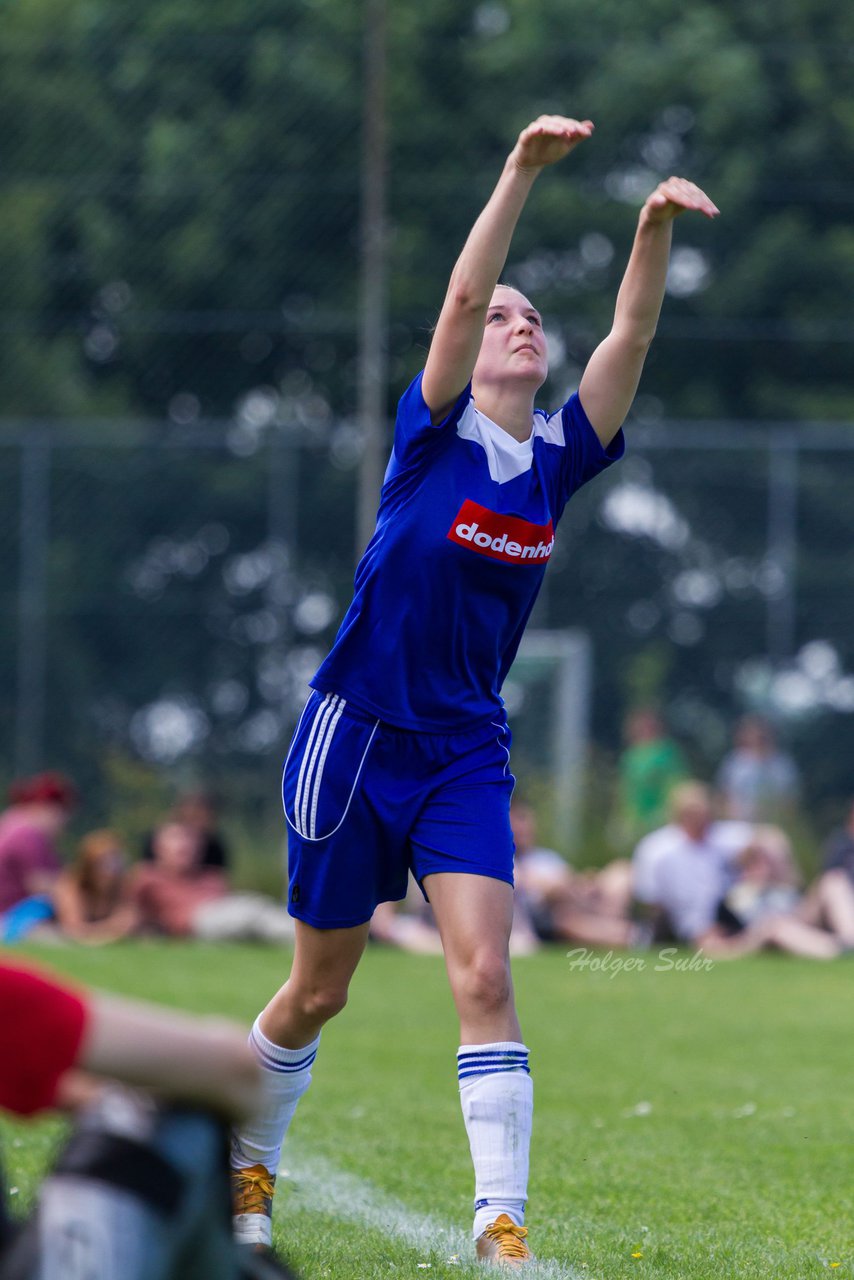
{"x": 549, "y": 139}
{"x": 675, "y": 196}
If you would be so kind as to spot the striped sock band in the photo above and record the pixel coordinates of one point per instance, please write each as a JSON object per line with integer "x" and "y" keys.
{"x": 273, "y": 1057}
{"x": 486, "y": 1059}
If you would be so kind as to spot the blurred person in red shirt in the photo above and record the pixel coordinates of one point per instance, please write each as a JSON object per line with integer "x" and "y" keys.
{"x": 140, "y": 1192}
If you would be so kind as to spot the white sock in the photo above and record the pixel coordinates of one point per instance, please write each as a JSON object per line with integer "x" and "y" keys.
{"x": 497, "y": 1097}
{"x": 286, "y": 1075}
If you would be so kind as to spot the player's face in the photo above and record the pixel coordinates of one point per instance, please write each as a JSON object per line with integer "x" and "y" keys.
{"x": 514, "y": 345}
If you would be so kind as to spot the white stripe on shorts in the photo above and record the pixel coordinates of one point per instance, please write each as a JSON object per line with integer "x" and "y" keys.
{"x": 315, "y": 724}
{"x": 323, "y": 726}
{"x": 307, "y": 793}
{"x": 315, "y": 797}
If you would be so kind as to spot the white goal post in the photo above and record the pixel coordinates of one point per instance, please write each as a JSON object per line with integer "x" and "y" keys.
{"x": 560, "y": 727}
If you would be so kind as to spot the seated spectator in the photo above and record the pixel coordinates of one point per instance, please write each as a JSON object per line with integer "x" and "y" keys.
{"x": 411, "y": 926}
{"x": 408, "y": 925}
{"x": 589, "y": 907}
{"x": 199, "y": 810}
{"x": 839, "y": 849}
{"x": 551, "y": 902}
{"x": 29, "y": 862}
{"x": 768, "y": 881}
{"x": 541, "y": 876}
{"x": 685, "y": 872}
{"x": 177, "y": 896}
{"x": 91, "y": 900}
{"x": 649, "y": 768}
{"x": 757, "y": 781}
{"x": 830, "y": 901}
{"x": 141, "y": 1190}
{"x": 685, "y": 867}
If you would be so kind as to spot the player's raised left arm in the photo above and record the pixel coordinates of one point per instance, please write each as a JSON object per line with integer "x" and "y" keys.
{"x": 613, "y": 372}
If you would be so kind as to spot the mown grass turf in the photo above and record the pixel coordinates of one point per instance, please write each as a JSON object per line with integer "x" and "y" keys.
{"x": 701, "y": 1120}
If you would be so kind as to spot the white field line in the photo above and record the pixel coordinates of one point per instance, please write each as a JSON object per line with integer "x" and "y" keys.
{"x": 317, "y": 1185}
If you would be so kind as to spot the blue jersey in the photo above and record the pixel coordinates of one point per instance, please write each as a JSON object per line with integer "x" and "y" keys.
{"x": 464, "y": 533}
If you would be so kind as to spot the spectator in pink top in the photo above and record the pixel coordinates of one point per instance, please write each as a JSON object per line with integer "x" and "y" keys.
{"x": 168, "y": 891}
{"x": 38, "y": 811}
{"x": 177, "y": 895}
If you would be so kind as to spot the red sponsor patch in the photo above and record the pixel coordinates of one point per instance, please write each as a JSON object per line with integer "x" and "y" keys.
{"x": 501, "y": 537}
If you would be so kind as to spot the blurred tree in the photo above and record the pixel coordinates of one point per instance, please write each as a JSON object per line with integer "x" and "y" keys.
{"x": 181, "y": 186}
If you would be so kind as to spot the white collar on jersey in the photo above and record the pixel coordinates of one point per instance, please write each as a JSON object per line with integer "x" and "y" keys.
{"x": 506, "y": 456}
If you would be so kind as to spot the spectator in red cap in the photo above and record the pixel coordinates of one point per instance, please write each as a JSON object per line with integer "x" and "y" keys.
{"x": 39, "y": 808}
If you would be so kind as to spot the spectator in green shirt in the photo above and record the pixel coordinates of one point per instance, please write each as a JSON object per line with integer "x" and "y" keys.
{"x": 649, "y": 768}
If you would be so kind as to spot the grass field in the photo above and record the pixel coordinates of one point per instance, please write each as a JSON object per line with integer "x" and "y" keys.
{"x": 687, "y": 1123}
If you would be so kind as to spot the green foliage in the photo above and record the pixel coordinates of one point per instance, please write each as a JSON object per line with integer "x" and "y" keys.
{"x": 179, "y": 229}
{"x": 209, "y": 158}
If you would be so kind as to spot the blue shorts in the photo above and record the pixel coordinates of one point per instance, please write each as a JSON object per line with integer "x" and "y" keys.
{"x": 366, "y": 803}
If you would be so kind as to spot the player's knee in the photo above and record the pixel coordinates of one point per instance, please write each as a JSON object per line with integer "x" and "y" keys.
{"x": 486, "y": 981}
{"x": 321, "y": 1003}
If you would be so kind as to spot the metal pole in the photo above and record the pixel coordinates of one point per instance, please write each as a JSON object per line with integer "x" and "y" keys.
{"x": 571, "y": 734}
{"x": 282, "y": 489}
{"x": 782, "y": 546}
{"x": 372, "y": 303}
{"x": 34, "y": 535}
{"x": 282, "y": 510}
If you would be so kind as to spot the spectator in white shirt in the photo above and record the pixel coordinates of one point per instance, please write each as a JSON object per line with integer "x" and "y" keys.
{"x": 685, "y": 870}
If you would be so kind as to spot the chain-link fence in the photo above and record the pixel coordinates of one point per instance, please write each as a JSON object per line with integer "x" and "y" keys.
{"x": 167, "y": 599}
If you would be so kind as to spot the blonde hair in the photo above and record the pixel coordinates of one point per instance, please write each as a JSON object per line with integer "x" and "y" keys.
{"x": 688, "y": 795}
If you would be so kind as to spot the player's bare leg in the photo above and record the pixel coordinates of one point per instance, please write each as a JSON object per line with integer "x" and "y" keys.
{"x": 285, "y": 1039}
{"x": 475, "y": 915}
{"x": 323, "y": 965}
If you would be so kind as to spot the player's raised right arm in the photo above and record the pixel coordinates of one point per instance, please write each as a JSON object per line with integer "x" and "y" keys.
{"x": 459, "y": 331}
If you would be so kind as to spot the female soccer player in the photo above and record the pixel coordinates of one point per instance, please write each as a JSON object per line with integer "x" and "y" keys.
{"x": 401, "y": 758}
